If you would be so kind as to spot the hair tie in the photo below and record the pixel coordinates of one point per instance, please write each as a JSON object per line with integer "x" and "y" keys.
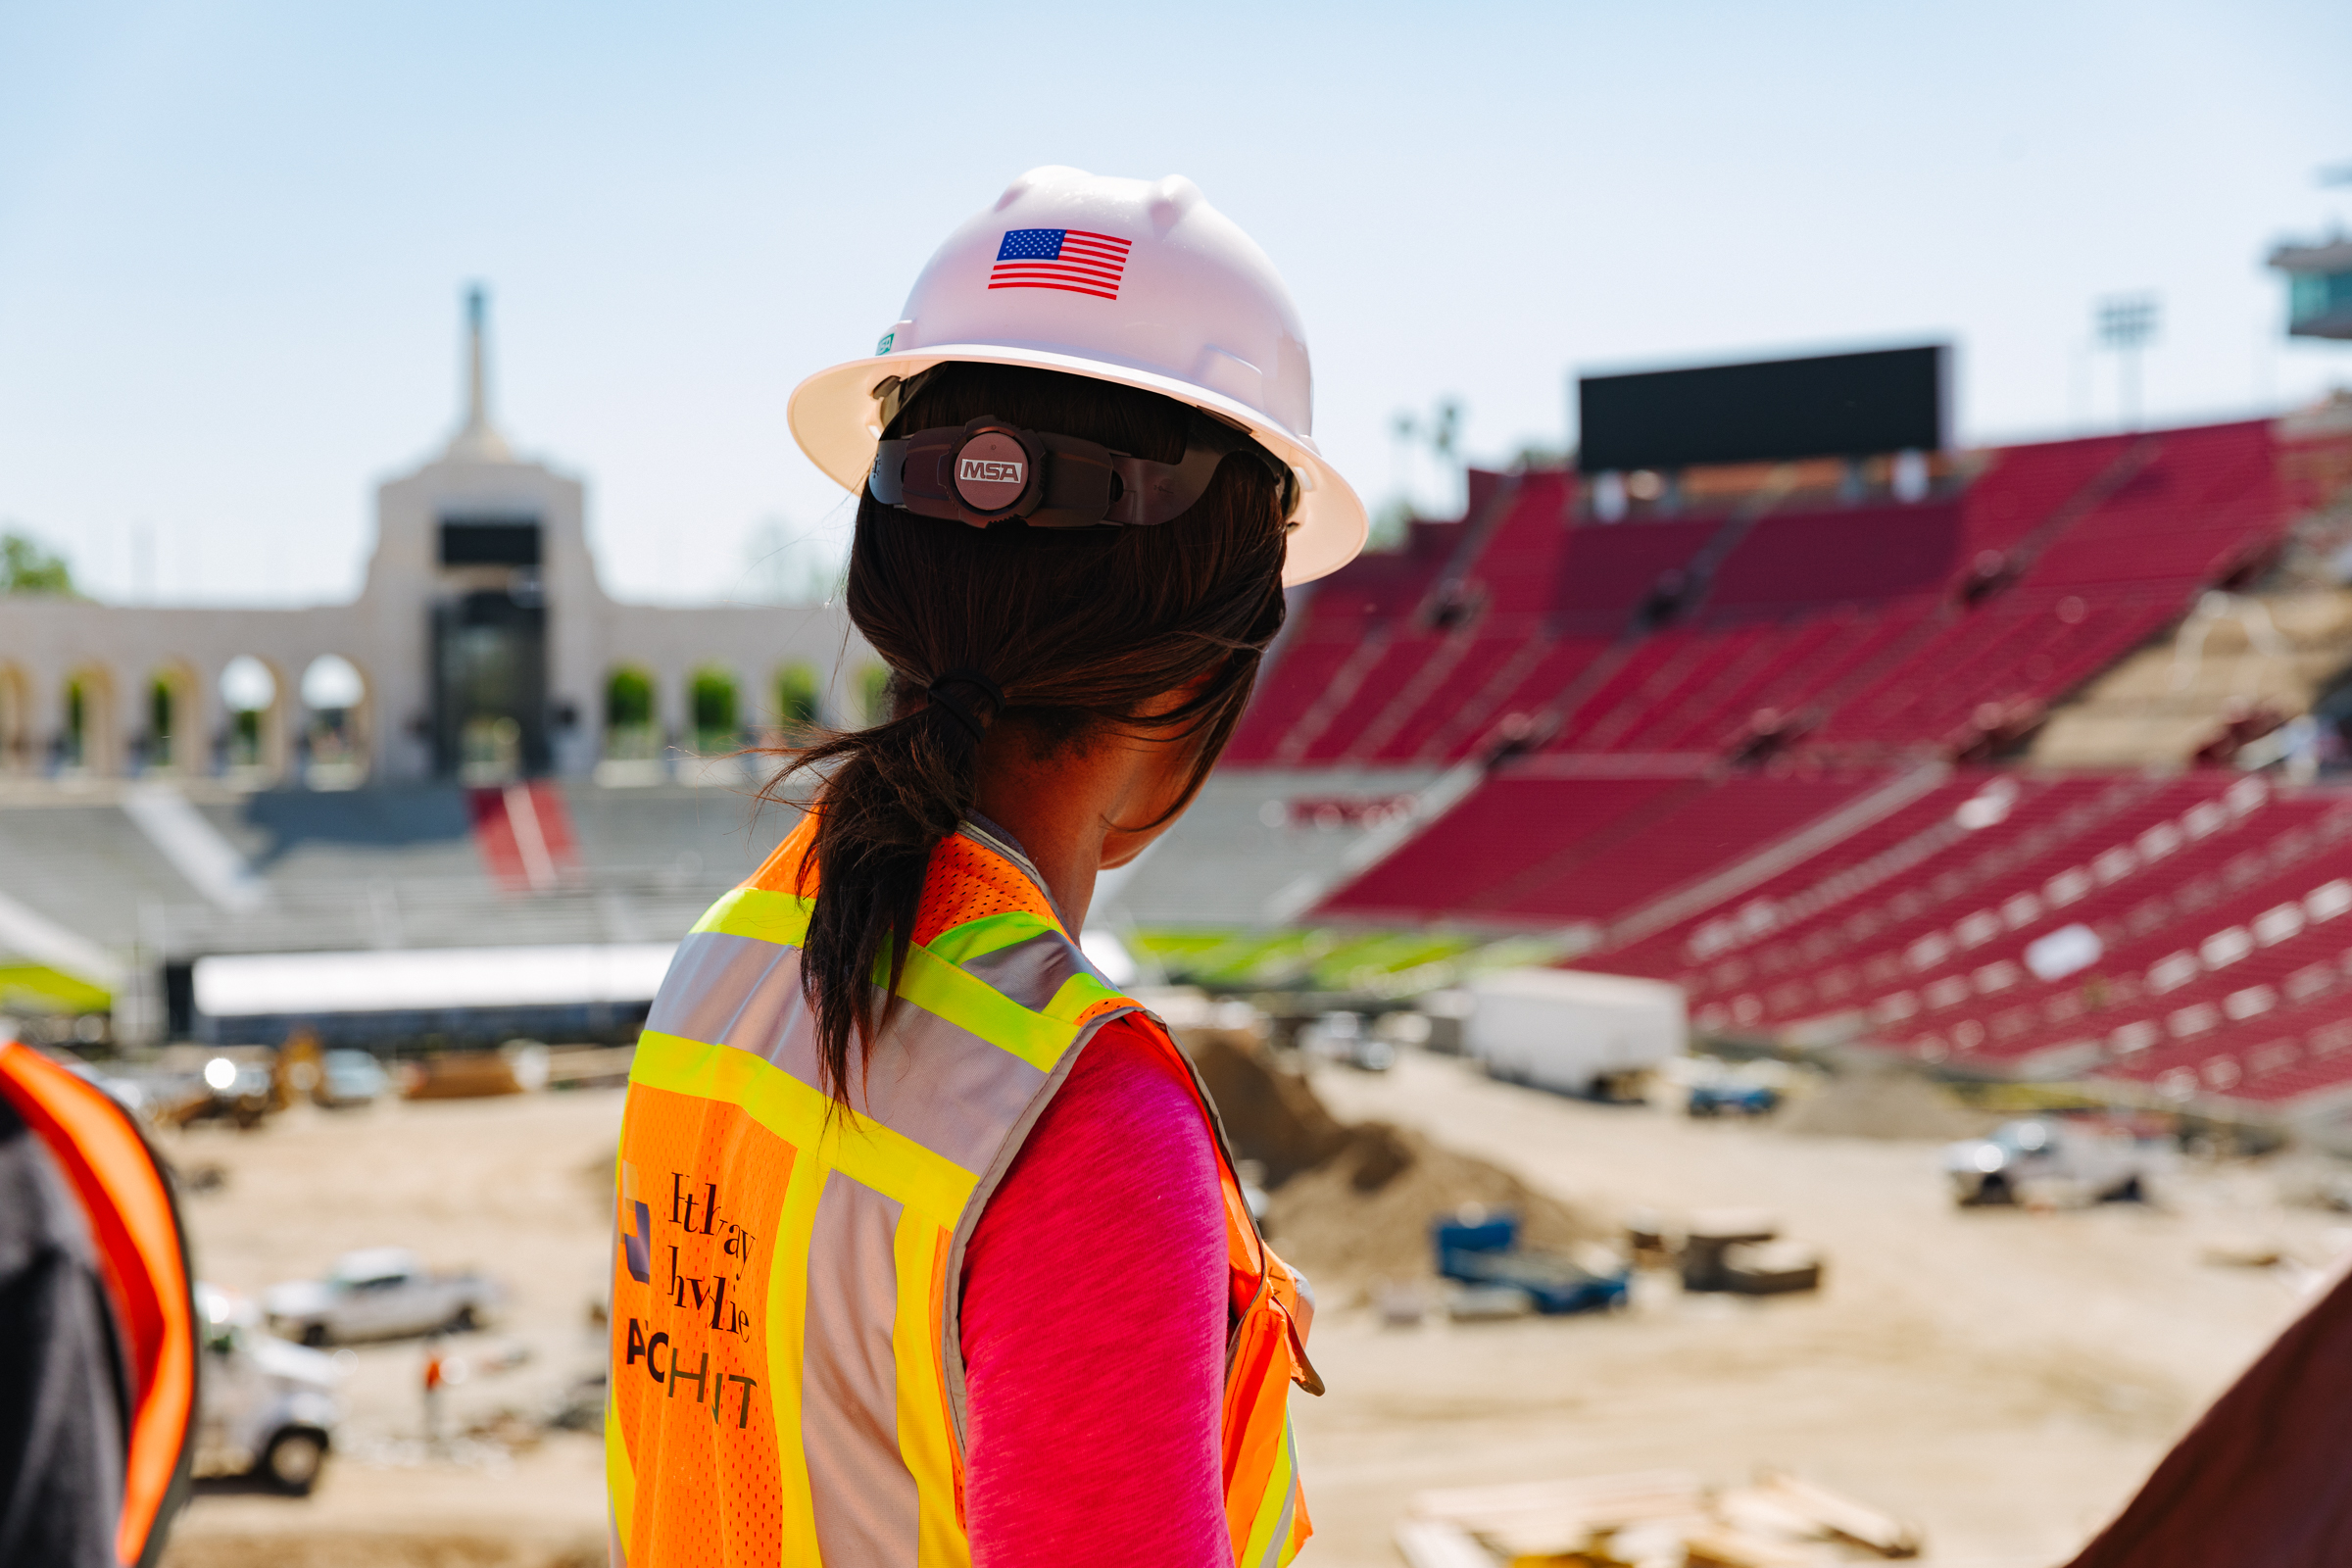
{"x": 957, "y": 708}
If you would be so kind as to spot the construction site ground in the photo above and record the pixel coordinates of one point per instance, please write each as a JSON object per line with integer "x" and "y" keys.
{"x": 2003, "y": 1378}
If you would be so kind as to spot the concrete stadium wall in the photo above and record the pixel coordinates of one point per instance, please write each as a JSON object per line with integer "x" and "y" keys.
{"x": 116, "y": 653}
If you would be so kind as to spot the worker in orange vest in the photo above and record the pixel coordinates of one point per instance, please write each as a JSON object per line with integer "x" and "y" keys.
{"x": 434, "y": 1376}
{"x": 97, "y": 1327}
{"x": 929, "y": 1247}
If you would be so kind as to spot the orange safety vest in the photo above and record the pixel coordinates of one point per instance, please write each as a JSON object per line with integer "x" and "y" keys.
{"x": 142, "y": 1255}
{"x": 787, "y": 1370}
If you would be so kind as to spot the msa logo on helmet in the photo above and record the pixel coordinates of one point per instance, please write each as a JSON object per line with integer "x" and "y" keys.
{"x": 991, "y": 472}
{"x": 988, "y": 470}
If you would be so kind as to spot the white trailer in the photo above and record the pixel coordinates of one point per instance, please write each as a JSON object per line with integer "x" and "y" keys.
{"x": 1582, "y": 1034}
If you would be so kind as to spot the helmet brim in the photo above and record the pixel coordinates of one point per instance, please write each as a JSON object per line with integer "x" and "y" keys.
{"x": 834, "y": 416}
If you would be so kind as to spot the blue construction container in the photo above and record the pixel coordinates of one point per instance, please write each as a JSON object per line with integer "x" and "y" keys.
{"x": 1486, "y": 1251}
{"x": 1457, "y": 1238}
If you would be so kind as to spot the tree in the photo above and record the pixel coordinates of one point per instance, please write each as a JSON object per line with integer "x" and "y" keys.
{"x": 27, "y": 569}
{"x": 629, "y": 699}
{"x": 711, "y": 698}
{"x": 873, "y": 693}
{"x": 796, "y": 697}
{"x": 1441, "y": 431}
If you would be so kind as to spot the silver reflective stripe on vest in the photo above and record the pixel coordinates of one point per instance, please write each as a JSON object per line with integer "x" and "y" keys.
{"x": 1289, "y": 1507}
{"x": 736, "y": 991}
{"x": 1029, "y": 971}
{"x": 936, "y": 1082}
{"x": 859, "y": 1487}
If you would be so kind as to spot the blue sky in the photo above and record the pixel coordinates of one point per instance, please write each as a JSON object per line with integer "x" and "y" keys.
{"x": 233, "y": 235}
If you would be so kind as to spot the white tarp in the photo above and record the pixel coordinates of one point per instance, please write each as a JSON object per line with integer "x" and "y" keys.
{"x": 428, "y": 979}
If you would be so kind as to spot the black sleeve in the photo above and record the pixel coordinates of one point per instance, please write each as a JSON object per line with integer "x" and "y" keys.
{"x": 62, "y": 1410}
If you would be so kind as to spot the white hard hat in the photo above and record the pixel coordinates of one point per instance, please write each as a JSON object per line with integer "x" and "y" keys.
{"x": 1141, "y": 283}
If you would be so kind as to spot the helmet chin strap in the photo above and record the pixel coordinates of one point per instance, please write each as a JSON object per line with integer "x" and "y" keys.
{"x": 989, "y": 470}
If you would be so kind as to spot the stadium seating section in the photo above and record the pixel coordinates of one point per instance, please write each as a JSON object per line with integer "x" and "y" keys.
{"x": 1848, "y": 633}
{"x": 1745, "y": 749}
{"x": 426, "y": 867}
{"x": 2178, "y": 930}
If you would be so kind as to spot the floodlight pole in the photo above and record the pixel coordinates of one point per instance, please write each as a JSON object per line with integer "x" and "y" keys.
{"x": 2126, "y": 323}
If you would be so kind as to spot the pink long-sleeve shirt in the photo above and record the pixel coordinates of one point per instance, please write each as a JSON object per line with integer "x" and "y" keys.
{"x": 1094, "y": 1329}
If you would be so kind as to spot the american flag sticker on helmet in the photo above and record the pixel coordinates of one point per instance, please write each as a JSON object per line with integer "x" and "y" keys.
{"x": 1068, "y": 259}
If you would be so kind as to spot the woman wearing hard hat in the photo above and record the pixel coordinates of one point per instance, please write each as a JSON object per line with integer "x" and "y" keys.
{"x": 930, "y": 1250}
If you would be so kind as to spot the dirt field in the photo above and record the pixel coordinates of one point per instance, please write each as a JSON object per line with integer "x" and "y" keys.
{"x": 2004, "y": 1379}
{"x": 504, "y": 1185}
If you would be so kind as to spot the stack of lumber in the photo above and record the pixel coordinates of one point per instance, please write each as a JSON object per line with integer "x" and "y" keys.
{"x": 582, "y": 1066}
{"x": 1654, "y": 1519}
{"x": 1737, "y": 1249}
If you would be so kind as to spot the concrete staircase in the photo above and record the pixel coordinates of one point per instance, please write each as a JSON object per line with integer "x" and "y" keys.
{"x": 2231, "y": 653}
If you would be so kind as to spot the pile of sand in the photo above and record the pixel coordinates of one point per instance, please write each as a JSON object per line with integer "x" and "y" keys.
{"x": 1269, "y": 1113}
{"x": 1873, "y": 1101}
{"x": 1355, "y": 1203}
{"x": 1366, "y": 1212}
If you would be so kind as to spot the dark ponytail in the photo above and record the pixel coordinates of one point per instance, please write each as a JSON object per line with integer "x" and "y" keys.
{"x": 1058, "y": 635}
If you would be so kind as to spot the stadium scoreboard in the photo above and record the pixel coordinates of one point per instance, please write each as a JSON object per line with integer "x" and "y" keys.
{"x": 1771, "y": 411}
{"x": 2319, "y": 298}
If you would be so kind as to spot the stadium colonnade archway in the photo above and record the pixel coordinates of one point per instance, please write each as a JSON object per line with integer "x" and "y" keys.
{"x": 16, "y": 745}
{"x": 169, "y": 742}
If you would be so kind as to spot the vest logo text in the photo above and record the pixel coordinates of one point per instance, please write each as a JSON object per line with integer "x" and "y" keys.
{"x": 695, "y": 1263}
{"x": 672, "y": 1374}
{"x": 694, "y": 1211}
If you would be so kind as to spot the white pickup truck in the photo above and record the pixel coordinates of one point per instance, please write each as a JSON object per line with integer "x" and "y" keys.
{"x": 267, "y": 1409}
{"x": 381, "y": 1293}
{"x": 2054, "y": 1156}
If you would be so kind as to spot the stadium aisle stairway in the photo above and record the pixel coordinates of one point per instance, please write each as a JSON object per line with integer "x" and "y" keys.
{"x": 419, "y": 867}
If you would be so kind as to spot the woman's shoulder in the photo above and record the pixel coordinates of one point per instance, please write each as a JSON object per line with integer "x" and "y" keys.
{"x": 1120, "y": 1168}
{"x": 1122, "y": 1140}
{"x": 1127, "y": 1081}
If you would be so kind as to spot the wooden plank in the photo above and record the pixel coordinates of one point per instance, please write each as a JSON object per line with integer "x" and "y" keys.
{"x": 1724, "y": 1547}
{"x": 1842, "y": 1516}
{"x": 1454, "y": 1503}
{"x": 1436, "y": 1544}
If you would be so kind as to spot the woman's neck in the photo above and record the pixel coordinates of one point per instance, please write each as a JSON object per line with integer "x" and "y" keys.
{"x": 1065, "y": 807}
{"x": 1066, "y": 861}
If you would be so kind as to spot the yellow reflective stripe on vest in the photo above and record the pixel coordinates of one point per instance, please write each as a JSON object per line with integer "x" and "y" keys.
{"x": 620, "y": 1482}
{"x": 991, "y": 933}
{"x": 938, "y": 987}
{"x": 932, "y": 981}
{"x": 1081, "y": 995}
{"x": 1270, "y": 1532}
{"x": 923, "y": 1431}
{"x": 891, "y": 1164}
{"x": 778, "y": 917}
